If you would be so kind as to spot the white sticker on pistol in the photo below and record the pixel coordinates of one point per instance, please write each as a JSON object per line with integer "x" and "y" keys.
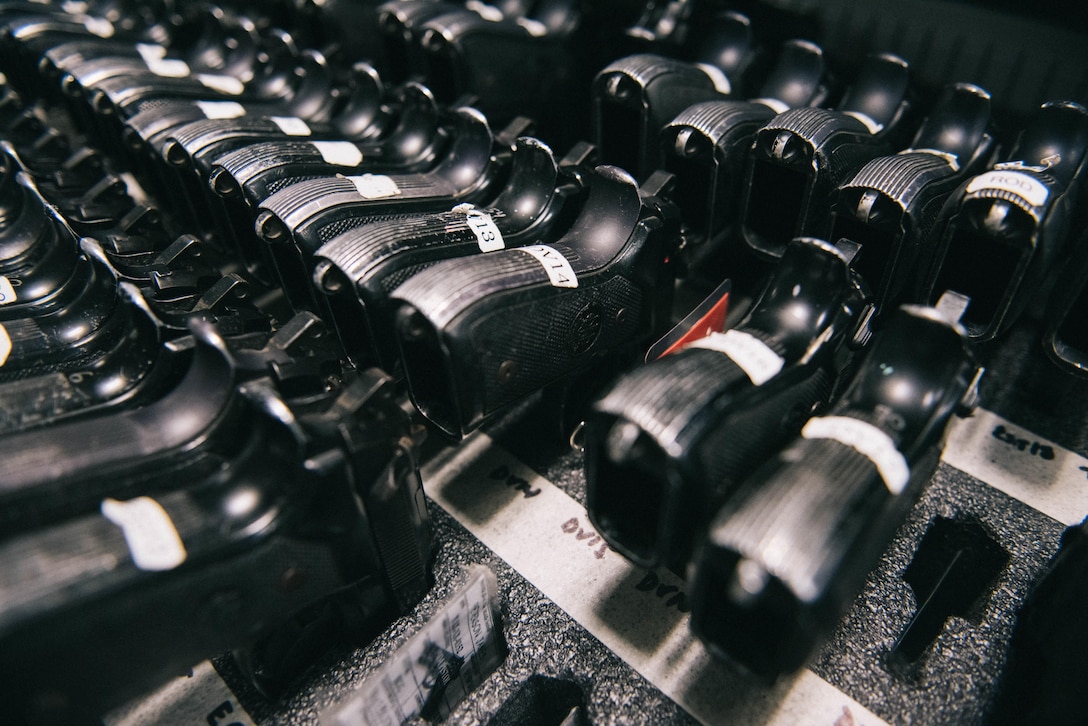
{"x": 1014, "y": 182}
{"x": 341, "y": 153}
{"x": 291, "y": 125}
{"x": 867, "y": 440}
{"x": 560, "y": 273}
{"x": 152, "y": 539}
{"x": 375, "y": 186}
{"x": 751, "y": 354}
{"x": 488, "y": 236}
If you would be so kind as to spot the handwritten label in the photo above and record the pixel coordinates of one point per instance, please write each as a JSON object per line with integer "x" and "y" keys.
{"x": 7, "y": 291}
{"x": 224, "y": 84}
{"x": 5, "y": 344}
{"x": 1029, "y": 447}
{"x": 633, "y": 615}
{"x": 586, "y": 534}
{"x": 671, "y": 595}
{"x": 867, "y": 440}
{"x": 152, "y": 540}
{"x": 375, "y": 186}
{"x": 503, "y": 474}
{"x": 221, "y": 109}
{"x": 488, "y": 236}
{"x": 560, "y": 273}
{"x": 751, "y": 354}
{"x": 340, "y": 153}
{"x": 1027, "y": 188}
{"x": 291, "y": 125}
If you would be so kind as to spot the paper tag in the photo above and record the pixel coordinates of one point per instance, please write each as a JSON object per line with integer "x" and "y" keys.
{"x": 5, "y": 344}
{"x": 198, "y": 698}
{"x": 485, "y": 11}
{"x": 952, "y": 160}
{"x": 152, "y": 540}
{"x": 7, "y": 291}
{"x": 535, "y": 28}
{"x": 221, "y": 109}
{"x": 560, "y": 273}
{"x": 428, "y": 676}
{"x": 341, "y": 153}
{"x": 291, "y": 125}
{"x": 375, "y": 186}
{"x": 224, "y": 84}
{"x": 488, "y": 236}
{"x": 868, "y": 441}
{"x": 151, "y": 52}
{"x": 98, "y": 26}
{"x": 751, "y": 354}
{"x": 1013, "y": 182}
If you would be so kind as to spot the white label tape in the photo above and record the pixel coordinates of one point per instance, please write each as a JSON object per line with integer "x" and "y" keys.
{"x": 98, "y": 26}
{"x": 341, "y": 153}
{"x": 1014, "y": 182}
{"x": 488, "y": 236}
{"x": 198, "y": 698}
{"x": 221, "y": 109}
{"x": 224, "y": 84}
{"x": 7, "y": 291}
{"x": 152, "y": 540}
{"x": 375, "y": 186}
{"x": 868, "y": 441}
{"x": 640, "y": 615}
{"x": 560, "y": 273}
{"x": 751, "y": 354}
{"x": 5, "y": 344}
{"x": 719, "y": 79}
{"x": 156, "y": 61}
{"x": 291, "y": 125}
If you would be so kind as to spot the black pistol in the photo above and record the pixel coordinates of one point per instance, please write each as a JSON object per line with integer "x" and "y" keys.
{"x": 479, "y": 333}
{"x": 785, "y": 557}
{"x": 1003, "y": 230}
{"x": 668, "y": 442}
{"x": 800, "y": 157}
{"x": 891, "y": 204}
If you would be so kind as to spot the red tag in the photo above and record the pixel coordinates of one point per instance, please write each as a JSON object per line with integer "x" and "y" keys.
{"x": 708, "y": 317}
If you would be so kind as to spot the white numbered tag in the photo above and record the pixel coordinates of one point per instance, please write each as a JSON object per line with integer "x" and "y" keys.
{"x": 98, "y": 26}
{"x": 751, "y": 354}
{"x": 291, "y": 126}
{"x": 1014, "y": 182}
{"x": 5, "y": 344}
{"x": 221, "y": 109}
{"x": 341, "y": 153}
{"x": 155, "y": 59}
{"x": 7, "y": 291}
{"x": 224, "y": 84}
{"x": 488, "y": 236}
{"x": 867, "y": 440}
{"x": 560, "y": 273}
{"x": 152, "y": 539}
{"x": 375, "y": 186}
